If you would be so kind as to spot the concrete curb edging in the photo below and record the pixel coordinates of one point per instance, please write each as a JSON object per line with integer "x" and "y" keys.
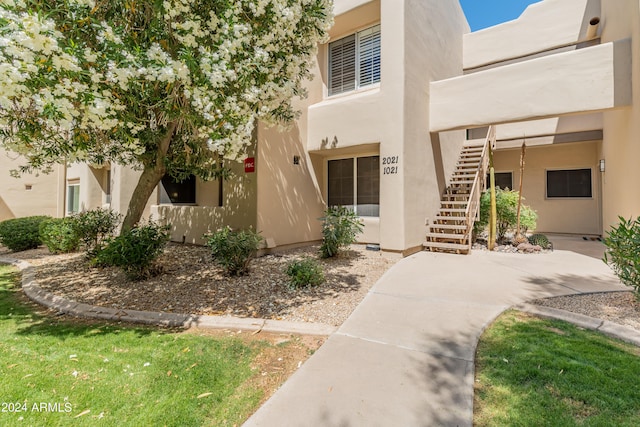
{"x": 47, "y": 299}
{"x": 614, "y": 330}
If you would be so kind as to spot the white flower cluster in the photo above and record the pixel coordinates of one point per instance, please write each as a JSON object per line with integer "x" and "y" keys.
{"x": 218, "y": 70}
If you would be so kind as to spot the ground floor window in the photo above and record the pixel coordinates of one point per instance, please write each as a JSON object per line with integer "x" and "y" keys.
{"x": 73, "y": 198}
{"x": 504, "y": 180}
{"x": 574, "y": 183}
{"x": 355, "y": 183}
{"x": 178, "y": 192}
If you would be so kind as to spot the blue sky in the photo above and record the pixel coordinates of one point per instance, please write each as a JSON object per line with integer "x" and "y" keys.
{"x": 486, "y": 13}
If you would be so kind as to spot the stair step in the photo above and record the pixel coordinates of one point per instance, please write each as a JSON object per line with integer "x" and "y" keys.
{"x": 446, "y": 236}
{"x": 452, "y": 246}
{"x": 461, "y": 203}
{"x": 473, "y": 144}
{"x": 461, "y": 227}
{"x": 453, "y": 210}
{"x": 472, "y": 150}
{"x": 463, "y": 175}
{"x": 450, "y": 218}
{"x": 465, "y": 181}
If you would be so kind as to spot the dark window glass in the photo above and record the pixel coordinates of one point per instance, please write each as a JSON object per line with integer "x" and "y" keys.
{"x": 569, "y": 183}
{"x": 178, "y": 192}
{"x": 504, "y": 180}
{"x": 340, "y": 177}
{"x": 368, "y": 185}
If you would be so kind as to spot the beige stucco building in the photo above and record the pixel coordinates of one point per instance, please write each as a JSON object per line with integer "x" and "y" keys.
{"x": 401, "y": 91}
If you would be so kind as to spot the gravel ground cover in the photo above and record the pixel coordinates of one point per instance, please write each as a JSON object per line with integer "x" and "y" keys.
{"x": 191, "y": 283}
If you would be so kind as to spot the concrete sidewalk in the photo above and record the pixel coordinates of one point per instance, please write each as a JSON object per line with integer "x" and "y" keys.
{"x": 405, "y": 357}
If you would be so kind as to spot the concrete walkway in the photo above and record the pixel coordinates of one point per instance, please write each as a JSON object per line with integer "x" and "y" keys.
{"x": 405, "y": 357}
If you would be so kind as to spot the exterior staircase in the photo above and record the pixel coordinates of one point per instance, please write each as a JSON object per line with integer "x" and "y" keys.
{"x": 451, "y": 229}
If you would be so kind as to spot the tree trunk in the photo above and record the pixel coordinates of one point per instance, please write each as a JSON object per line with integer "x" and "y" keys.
{"x": 150, "y": 178}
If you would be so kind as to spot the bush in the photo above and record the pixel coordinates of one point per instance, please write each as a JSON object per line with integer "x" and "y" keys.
{"x": 20, "y": 234}
{"x": 507, "y": 211}
{"x": 233, "y": 250}
{"x": 135, "y": 250}
{"x": 540, "y": 240}
{"x": 305, "y": 272}
{"x": 623, "y": 252}
{"x": 340, "y": 226}
{"x": 95, "y": 226}
{"x": 60, "y": 235}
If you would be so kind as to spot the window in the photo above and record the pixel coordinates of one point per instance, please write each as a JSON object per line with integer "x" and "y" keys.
{"x": 355, "y": 183}
{"x": 172, "y": 191}
{"x": 569, "y": 183}
{"x": 504, "y": 180}
{"x": 354, "y": 61}
{"x": 73, "y": 198}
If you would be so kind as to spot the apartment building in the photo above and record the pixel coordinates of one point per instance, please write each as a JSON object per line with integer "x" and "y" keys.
{"x": 402, "y": 102}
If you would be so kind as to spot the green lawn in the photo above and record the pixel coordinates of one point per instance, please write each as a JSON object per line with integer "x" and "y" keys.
{"x": 534, "y": 372}
{"x": 60, "y": 373}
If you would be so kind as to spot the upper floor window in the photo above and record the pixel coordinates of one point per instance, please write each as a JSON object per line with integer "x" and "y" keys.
{"x": 354, "y": 61}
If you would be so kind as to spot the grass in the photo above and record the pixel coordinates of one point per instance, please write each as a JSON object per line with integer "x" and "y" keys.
{"x": 531, "y": 371}
{"x": 59, "y": 372}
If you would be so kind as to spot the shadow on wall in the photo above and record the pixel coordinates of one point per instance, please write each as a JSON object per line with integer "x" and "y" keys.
{"x": 190, "y": 223}
{"x": 5, "y": 211}
{"x": 289, "y": 197}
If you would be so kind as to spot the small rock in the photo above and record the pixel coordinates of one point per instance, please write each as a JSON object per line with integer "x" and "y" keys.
{"x": 528, "y": 248}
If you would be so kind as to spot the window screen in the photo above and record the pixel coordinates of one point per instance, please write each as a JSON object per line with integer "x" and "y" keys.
{"x": 569, "y": 183}
{"x": 368, "y": 186}
{"x": 369, "y": 55}
{"x": 340, "y": 177}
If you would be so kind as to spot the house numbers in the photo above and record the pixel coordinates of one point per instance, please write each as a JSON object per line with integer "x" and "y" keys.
{"x": 390, "y": 165}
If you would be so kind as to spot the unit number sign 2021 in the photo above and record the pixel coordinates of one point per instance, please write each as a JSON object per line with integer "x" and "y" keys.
{"x": 390, "y": 165}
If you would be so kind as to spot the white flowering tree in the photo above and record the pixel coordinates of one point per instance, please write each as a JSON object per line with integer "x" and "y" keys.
{"x": 170, "y": 86}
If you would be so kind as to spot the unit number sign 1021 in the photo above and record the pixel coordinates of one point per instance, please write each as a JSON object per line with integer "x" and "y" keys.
{"x": 390, "y": 165}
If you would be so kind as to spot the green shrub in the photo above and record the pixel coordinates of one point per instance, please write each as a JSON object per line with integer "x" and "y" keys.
{"x": 20, "y": 234}
{"x": 623, "y": 252}
{"x": 540, "y": 240}
{"x": 340, "y": 226}
{"x": 305, "y": 272}
{"x": 95, "y": 226}
{"x": 60, "y": 235}
{"x": 233, "y": 250}
{"x": 135, "y": 250}
{"x": 507, "y": 211}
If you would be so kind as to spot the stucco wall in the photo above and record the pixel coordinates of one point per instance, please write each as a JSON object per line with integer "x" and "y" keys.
{"x": 289, "y": 199}
{"x": 433, "y": 50}
{"x": 621, "y": 146}
{"x": 591, "y": 79}
{"x": 543, "y": 25}
{"x": 576, "y": 216}
{"x": 44, "y": 198}
{"x": 190, "y": 223}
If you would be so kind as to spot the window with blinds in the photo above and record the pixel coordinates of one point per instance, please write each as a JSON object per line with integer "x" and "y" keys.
{"x": 355, "y": 183}
{"x": 354, "y": 61}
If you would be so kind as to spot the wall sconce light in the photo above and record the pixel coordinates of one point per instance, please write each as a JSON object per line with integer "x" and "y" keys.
{"x": 601, "y": 165}
{"x": 296, "y": 160}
